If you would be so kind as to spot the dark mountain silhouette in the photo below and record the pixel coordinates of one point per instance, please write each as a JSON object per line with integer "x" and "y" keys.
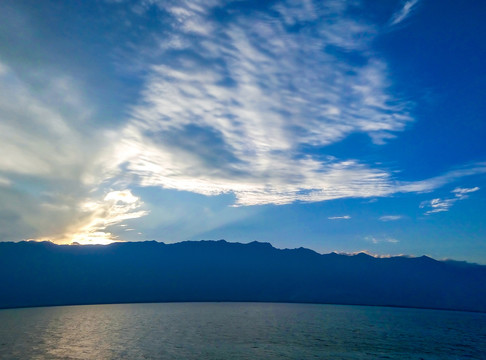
{"x": 41, "y": 273}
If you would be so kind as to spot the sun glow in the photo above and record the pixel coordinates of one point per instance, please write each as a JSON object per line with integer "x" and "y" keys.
{"x": 94, "y": 238}
{"x": 97, "y": 216}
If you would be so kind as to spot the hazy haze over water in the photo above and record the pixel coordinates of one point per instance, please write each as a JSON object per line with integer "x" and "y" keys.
{"x": 239, "y": 331}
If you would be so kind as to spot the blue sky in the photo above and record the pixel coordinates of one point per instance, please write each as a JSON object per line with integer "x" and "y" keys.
{"x": 339, "y": 126}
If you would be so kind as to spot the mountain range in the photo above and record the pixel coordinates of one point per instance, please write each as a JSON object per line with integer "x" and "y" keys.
{"x": 43, "y": 273}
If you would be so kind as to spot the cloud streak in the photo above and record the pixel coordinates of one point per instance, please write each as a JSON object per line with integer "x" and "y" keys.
{"x": 345, "y": 217}
{"x": 377, "y": 240}
{"x": 116, "y": 207}
{"x": 390, "y": 218}
{"x": 440, "y": 205}
{"x": 33, "y": 129}
{"x": 404, "y": 12}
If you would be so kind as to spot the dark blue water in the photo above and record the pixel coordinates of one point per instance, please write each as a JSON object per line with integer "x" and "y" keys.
{"x": 239, "y": 331}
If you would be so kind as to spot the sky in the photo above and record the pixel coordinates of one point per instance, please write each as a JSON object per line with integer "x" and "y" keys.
{"x": 336, "y": 125}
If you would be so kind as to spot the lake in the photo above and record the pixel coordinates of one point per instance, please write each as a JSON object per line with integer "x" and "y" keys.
{"x": 239, "y": 331}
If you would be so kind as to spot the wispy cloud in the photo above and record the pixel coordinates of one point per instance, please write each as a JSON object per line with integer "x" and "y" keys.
{"x": 437, "y": 205}
{"x": 440, "y": 205}
{"x": 390, "y": 217}
{"x": 461, "y": 193}
{"x": 34, "y": 127}
{"x": 404, "y": 12}
{"x": 436, "y": 182}
{"x": 221, "y": 113}
{"x": 225, "y": 114}
{"x": 383, "y": 239}
{"x": 53, "y": 167}
{"x": 373, "y": 254}
{"x": 345, "y": 217}
{"x": 96, "y": 216}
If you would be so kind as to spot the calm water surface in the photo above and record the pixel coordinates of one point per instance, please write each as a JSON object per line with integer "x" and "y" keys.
{"x": 239, "y": 331}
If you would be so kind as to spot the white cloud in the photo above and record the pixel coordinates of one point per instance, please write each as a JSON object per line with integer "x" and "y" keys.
{"x": 34, "y": 132}
{"x": 96, "y": 216}
{"x": 404, "y": 12}
{"x": 390, "y": 217}
{"x": 440, "y": 205}
{"x": 226, "y": 114}
{"x": 229, "y": 115}
{"x": 370, "y": 253}
{"x": 384, "y": 239}
{"x": 461, "y": 192}
{"x": 431, "y": 184}
{"x": 53, "y": 161}
{"x": 345, "y": 217}
{"x": 437, "y": 205}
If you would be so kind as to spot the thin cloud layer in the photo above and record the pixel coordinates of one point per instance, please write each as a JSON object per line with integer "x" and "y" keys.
{"x": 116, "y": 207}
{"x": 440, "y": 205}
{"x": 52, "y": 166}
{"x": 390, "y": 218}
{"x": 383, "y": 239}
{"x": 404, "y": 12}
{"x": 237, "y": 104}
{"x": 431, "y": 184}
{"x": 344, "y": 217}
{"x": 33, "y": 129}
